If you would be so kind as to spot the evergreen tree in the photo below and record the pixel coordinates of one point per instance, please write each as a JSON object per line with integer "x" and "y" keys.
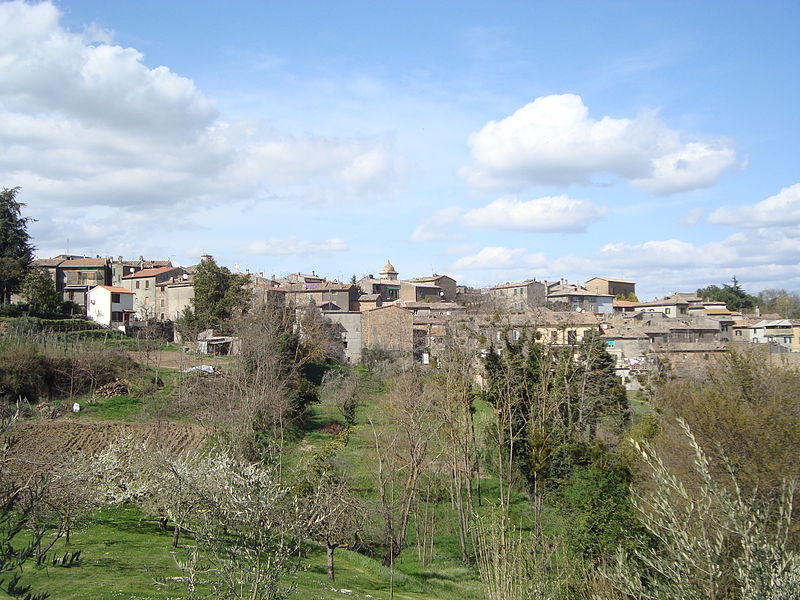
{"x": 40, "y": 292}
{"x": 16, "y": 251}
{"x": 734, "y": 296}
{"x": 218, "y": 293}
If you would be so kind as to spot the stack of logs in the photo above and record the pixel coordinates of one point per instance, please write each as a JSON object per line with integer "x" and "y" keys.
{"x": 118, "y": 387}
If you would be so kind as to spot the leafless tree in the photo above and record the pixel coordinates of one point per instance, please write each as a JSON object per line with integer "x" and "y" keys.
{"x": 404, "y": 449}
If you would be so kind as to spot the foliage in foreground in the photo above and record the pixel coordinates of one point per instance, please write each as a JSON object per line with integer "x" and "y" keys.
{"x": 713, "y": 540}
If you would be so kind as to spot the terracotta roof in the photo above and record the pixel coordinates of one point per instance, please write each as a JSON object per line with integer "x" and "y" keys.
{"x": 624, "y": 303}
{"x": 115, "y": 290}
{"x": 84, "y": 262}
{"x": 270, "y": 288}
{"x": 429, "y": 278}
{"x": 576, "y": 292}
{"x": 329, "y": 286}
{"x": 610, "y": 279}
{"x": 47, "y": 262}
{"x": 664, "y": 302}
{"x": 513, "y": 285}
{"x": 149, "y": 272}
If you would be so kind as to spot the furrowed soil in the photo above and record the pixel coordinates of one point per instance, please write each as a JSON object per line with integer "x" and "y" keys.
{"x": 43, "y": 440}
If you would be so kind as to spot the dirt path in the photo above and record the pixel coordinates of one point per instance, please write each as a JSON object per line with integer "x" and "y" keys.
{"x": 176, "y": 360}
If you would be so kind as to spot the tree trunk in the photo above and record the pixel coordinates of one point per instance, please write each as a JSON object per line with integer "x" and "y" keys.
{"x": 330, "y": 548}
{"x": 176, "y": 532}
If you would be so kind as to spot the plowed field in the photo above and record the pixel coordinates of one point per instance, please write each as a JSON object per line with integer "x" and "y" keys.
{"x": 44, "y": 441}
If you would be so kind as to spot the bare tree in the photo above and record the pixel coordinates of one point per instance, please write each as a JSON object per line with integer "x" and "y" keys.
{"x": 404, "y": 451}
{"x": 453, "y": 389}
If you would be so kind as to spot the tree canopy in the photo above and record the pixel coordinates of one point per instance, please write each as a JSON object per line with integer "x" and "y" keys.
{"x": 733, "y": 295}
{"x": 218, "y": 293}
{"x": 780, "y": 301}
{"x": 16, "y": 251}
{"x": 40, "y": 292}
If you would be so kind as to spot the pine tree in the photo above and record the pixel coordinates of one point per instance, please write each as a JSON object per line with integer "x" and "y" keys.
{"x": 16, "y": 251}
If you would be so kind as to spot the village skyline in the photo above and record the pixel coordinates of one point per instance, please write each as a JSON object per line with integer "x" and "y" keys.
{"x": 655, "y": 143}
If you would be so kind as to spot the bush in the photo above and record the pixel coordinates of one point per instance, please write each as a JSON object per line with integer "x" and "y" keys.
{"x": 27, "y": 372}
{"x": 23, "y": 372}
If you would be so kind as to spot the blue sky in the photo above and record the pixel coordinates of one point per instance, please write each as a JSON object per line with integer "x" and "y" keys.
{"x": 493, "y": 142}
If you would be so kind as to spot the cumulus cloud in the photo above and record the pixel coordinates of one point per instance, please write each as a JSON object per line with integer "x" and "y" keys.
{"x": 553, "y": 141}
{"x": 499, "y": 258}
{"x": 292, "y": 246}
{"x": 540, "y": 215}
{"x": 758, "y": 257}
{"x": 549, "y": 214}
{"x": 780, "y": 210}
{"x": 85, "y": 122}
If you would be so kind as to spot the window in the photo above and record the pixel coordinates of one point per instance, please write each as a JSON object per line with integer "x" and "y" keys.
{"x": 137, "y": 284}
{"x": 572, "y": 337}
{"x": 738, "y": 332}
{"x": 667, "y": 311}
{"x": 115, "y": 298}
{"x": 147, "y": 284}
{"x": 163, "y": 303}
{"x": 116, "y": 316}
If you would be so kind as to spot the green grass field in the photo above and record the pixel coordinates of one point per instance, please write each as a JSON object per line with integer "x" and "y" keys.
{"x": 125, "y": 554}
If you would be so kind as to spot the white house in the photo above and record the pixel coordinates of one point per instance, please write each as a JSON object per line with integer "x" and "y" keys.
{"x": 110, "y": 306}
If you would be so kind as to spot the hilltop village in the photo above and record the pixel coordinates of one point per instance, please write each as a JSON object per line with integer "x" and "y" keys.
{"x": 413, "y": 317}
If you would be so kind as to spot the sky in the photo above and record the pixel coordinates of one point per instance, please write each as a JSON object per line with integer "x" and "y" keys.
{"x": 493, "y": 142}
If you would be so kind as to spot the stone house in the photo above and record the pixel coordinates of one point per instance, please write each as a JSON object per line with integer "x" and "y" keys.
{"x": 578, "y": 298}
{"x": 672, "y": 306}
{"x": 388, "y": 328}
{"x": 613, "y": 287}
{"x": 179, "y": 296}
{"x": 150, "y": 291}
{"x": 447, "y": 285}
{"x": 348, "y": 323}
{"x": 518, "y": 297}
{"x": 329, "y": 295}
{"x": 76, "y": 276}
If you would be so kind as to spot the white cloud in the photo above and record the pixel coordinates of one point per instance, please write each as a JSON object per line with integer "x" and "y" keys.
{"x": 758, "y": 257}
{"x": 553, "y": 141}
{"x": 548, "y": 214}
{"x": 499, "y": 257}
{"x": 540, "y": 215}
{"x": 85, "y": 122}
{"x": 437, "y": 225}
{"x": 780, "y": 210}
{"x": 293, "y": 246}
